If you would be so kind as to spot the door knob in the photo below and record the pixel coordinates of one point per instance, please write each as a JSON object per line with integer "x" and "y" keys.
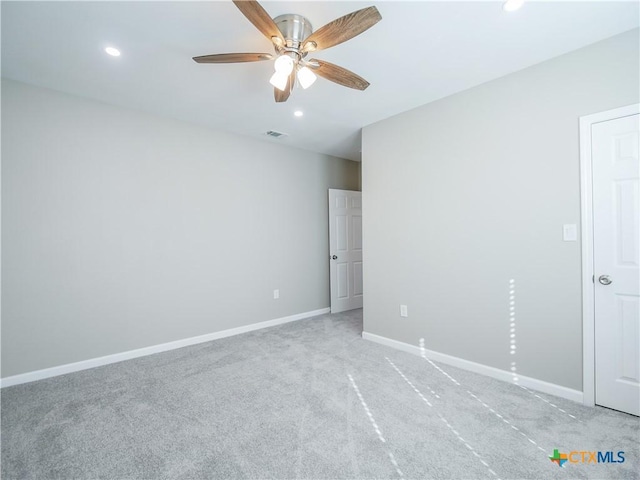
{"x": 334, "y": 257}
{"x": 605, "y": 280}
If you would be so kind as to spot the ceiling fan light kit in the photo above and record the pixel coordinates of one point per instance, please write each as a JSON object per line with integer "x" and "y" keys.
{"x": 279, "y": 80}
{"x": 283, "y": 64}
{"x": 293, "y": 38}
{"x": 306, "y": 77}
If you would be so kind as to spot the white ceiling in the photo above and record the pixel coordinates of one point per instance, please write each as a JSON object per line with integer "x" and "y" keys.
{"x": 419, "y": 52}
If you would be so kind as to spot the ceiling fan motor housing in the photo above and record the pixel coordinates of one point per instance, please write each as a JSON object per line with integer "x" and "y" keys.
{"x": 295, "y": 29}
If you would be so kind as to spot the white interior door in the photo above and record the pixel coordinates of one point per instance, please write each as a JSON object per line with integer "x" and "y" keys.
{"x": 345, "y": 249}
{"x": 615, "y": 145}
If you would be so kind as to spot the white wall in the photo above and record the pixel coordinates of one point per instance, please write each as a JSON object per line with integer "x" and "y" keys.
{"x": 465, "y": 193}
{"x": 122, "y": 230}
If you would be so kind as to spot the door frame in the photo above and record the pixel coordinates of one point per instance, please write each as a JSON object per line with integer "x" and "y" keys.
{"x": 586, "y": 218}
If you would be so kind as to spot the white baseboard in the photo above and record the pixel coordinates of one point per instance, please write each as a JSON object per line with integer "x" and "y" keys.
{"x": 504, "y": 375}
{"x": 141, "y": 352}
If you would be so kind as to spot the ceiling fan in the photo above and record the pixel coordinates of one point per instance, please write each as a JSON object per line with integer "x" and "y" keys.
{"x": 293, "y": 39}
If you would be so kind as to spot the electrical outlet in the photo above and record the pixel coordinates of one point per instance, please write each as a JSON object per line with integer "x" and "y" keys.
{"x": 403, "y": 311}
{"x": 276, "y": 294}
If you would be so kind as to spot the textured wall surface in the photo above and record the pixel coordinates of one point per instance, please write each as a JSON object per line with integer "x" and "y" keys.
{"x": 466, "y": 193}
{"x": 122, "y": 230}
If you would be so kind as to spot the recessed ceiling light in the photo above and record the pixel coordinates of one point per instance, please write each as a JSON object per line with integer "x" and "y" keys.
{"x": 512, "y": 5}
{"x": 114, "y": 52}
{"x": 298, "y": 113}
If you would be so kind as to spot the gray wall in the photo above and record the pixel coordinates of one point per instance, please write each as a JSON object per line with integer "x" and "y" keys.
{"x": 466, "y": 193}
{"x": 122, "y": 230}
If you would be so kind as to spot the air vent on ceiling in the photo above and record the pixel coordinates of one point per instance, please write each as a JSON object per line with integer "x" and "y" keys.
{"x": 274, "y": 134}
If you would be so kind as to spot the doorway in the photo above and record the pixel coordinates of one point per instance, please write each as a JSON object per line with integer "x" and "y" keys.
{"x": 609, "y": 164}
{"x": 345, "y": 250}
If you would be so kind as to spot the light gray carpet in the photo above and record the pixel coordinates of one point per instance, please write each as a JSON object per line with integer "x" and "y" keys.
{"x": 309, "y": 399}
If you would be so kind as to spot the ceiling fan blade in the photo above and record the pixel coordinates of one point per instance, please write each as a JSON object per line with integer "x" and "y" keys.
{"x": 283, "y": 95}
{"x": 338, "y": 75}
{"x": 342, "y": 29}
{"x": 260, "y": 18}
{"x": 233, "y": 57}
